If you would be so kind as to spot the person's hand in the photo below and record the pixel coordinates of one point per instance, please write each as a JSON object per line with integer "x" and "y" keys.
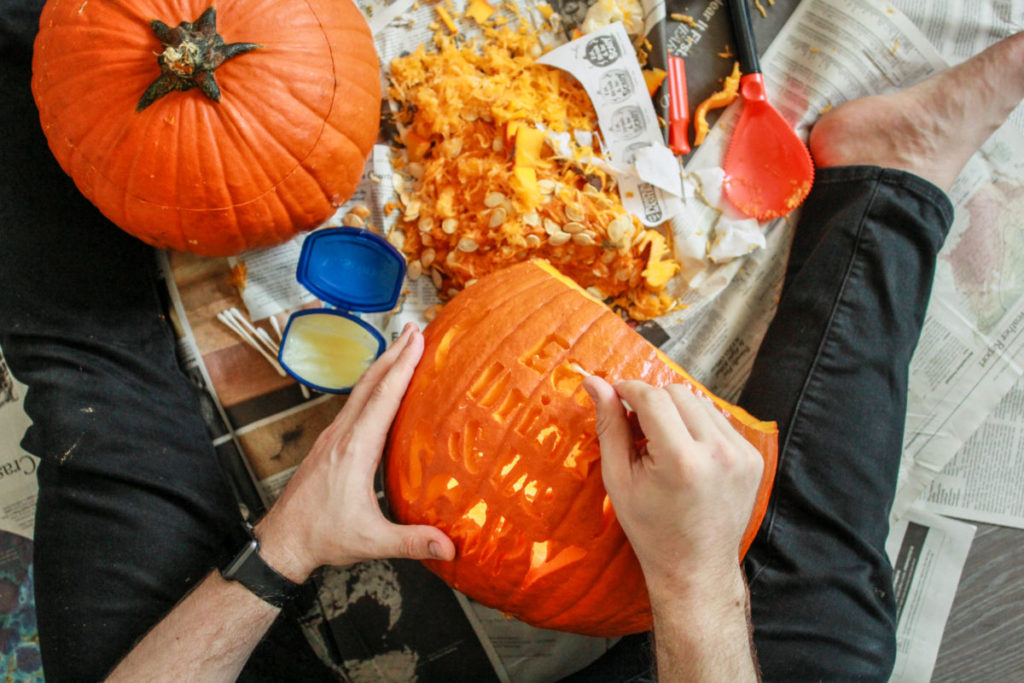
{"x": 685, "y": 496}
{"x": 329, "y": 513}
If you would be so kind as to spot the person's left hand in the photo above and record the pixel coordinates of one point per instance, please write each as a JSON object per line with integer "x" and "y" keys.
{"x": 329, "y": 513}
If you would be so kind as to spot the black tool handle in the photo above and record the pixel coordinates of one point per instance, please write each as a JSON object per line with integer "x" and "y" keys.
{"x": 743, "y": 32}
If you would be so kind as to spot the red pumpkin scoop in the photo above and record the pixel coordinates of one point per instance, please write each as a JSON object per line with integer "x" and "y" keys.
{"x": 495, "y": 444}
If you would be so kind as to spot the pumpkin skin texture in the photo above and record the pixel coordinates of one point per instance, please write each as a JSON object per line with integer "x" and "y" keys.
{"x": 495, "y": 443}
{"x": 282, "y": 148}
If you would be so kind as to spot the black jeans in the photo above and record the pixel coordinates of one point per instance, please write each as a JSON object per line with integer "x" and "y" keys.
{"x": 134, "y": 509}
{"x": 832, "y": 370}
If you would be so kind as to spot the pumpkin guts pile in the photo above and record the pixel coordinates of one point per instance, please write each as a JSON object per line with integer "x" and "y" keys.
{"x": 501, "y": 163}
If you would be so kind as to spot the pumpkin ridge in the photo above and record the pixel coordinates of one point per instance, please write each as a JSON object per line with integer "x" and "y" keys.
{"x": 459, "y": 396}
{"x": 460, "y": 316}
{"x": 564, "y": 359}
{"x": 623, "y": 554}
{"x": 588, "y": 586}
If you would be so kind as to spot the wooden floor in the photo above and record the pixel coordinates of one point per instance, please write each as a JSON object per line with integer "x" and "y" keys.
{"x": 984, "y": 637}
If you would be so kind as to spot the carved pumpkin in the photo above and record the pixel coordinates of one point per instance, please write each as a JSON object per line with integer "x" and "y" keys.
{"x": 495, "y": 444}
{"x": 209, "y": 131}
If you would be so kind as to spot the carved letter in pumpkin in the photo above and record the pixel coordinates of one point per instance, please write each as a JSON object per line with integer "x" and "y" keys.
{"x": 495, "y": 444}
{"x": 210, "y": 131}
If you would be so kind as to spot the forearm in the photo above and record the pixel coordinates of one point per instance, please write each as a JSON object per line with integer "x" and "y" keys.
{"x": 208, "y": 636}
{"x": 704, "y": 634}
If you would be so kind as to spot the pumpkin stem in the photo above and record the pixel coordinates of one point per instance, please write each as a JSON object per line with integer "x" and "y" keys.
{"x": 192, "y": 52}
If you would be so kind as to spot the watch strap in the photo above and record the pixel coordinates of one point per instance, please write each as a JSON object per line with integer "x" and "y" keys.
{"x": 249, "y": 569}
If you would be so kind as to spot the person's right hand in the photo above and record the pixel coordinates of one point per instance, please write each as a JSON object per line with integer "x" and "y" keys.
{"x": 684, "y": 498}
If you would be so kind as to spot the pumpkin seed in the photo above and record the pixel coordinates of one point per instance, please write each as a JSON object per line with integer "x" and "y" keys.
{"x": 551, "y": 227}
{"x": 498, "y": 216}
{"x": 574, "y": 213}
{"x": 432, "y": 312}
{"x": 360, "y": 211}
{"x": 414, "y": 270}
{"x": 449, "y": 226}
{"x": 618, "y": 226}
{"x": 558, "y": 239}
{"x": 435, "y": 275}
{"x": 494, "y": 199}
{"x": 350, "y": 220}
{"x": 532, "y": 240}
{"x": 412, "y": 210}
{"x": 467, "y": 244}
{"x": 584, "y": 239}
{"x": 574, "y": 227}
{"x": 397, "y": 238}
{"x": 427, "y": 257}
{"x": 594, "y": 291}
{"x": 622, "y": 274}
{"x": 470, "y": 282}
{"x": 426, "y": 240}
{"x": 531, "y": 218}
{"x": 453, "y": 147}
{"x": 398, "y": 183}
{"x": 497, "y": 145}
{"x": 546, "y": 186}
{"x": 426, "y": 224}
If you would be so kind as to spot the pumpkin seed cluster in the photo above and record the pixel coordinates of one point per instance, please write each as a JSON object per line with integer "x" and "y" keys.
{"x": 499, "y": 162}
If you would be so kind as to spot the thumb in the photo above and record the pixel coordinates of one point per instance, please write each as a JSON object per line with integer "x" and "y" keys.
{"x": 417, "y": 542}
{"x": 613, "y": 431}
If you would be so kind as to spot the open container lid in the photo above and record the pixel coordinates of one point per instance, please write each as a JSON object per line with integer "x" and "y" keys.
{"x": 351, "y": 268}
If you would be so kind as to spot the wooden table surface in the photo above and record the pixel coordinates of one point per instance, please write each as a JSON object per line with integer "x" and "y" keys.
{"x": 984, "y": 636}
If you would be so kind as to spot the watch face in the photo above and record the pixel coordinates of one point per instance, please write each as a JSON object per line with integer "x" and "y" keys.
{"x": 247, "y": 554}
{"x": 249, "y": 569}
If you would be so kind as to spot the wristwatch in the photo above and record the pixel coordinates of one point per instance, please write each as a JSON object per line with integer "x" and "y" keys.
{"x": 262, "y": 580}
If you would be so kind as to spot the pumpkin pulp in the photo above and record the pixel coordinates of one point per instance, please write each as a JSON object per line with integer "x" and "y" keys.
{"x": 192, "y": 52}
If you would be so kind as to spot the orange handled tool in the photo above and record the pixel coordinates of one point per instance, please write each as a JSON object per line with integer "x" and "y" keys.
{"x": 678, "y": 107}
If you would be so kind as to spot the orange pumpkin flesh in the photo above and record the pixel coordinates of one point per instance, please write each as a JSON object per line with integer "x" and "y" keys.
{"x": 495, "y": 444}
{"x": 284, "y": 145}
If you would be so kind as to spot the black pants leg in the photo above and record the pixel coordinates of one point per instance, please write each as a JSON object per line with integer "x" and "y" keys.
{"x": 832, "y": 370}
{"x": 133, "y": 507}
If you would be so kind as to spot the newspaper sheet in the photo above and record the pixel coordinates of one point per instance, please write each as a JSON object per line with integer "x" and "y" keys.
{"x": 928, "y": 554}
{"x": 985, "y": 479}
{"x": 981, "y": 482}
{"x": 18, "y": 487}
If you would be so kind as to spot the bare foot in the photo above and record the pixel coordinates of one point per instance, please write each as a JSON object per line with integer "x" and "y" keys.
{"x": 932, "y": 128}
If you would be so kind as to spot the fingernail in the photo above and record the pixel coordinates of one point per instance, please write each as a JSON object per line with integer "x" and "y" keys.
{"x": 435, "y": 549}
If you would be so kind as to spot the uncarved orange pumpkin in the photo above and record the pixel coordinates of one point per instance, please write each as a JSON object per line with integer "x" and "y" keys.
{"x": 270, "y": 111}
{"x": 495, "y": 443}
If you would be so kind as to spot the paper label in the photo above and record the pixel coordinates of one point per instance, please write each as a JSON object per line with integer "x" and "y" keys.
{"x": 605, "y": 64}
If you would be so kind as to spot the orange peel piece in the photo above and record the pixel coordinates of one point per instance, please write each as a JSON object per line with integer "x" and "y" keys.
{"x": 723, "y": 98}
